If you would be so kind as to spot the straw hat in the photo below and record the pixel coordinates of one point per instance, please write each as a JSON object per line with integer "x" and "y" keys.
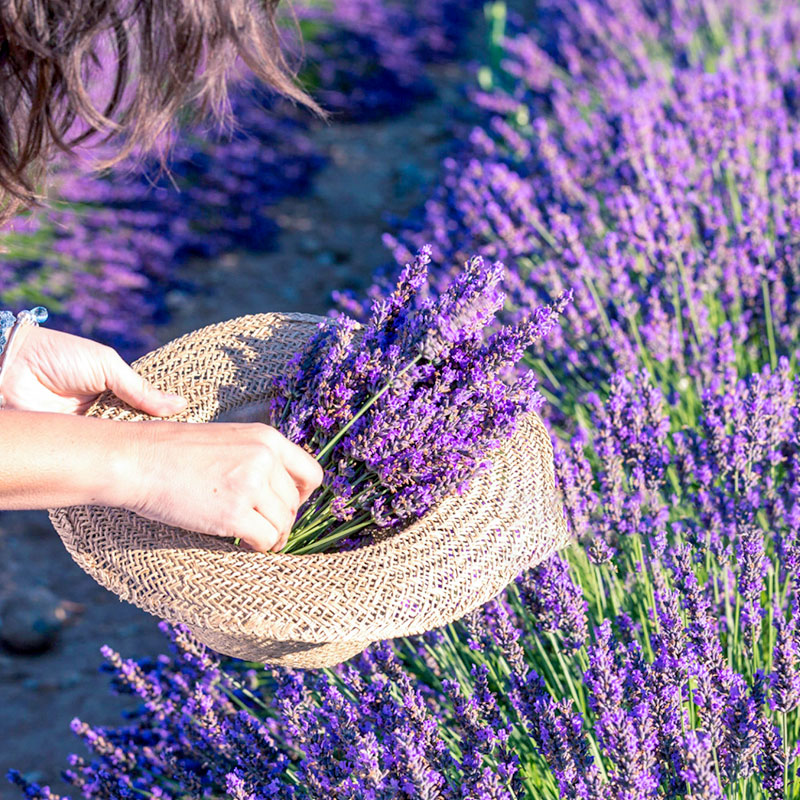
{"x": 310, "y": 610}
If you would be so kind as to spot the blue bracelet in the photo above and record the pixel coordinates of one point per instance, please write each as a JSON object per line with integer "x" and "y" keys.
{"x": 7, "y": 320}
{"x": 31, "y": 316}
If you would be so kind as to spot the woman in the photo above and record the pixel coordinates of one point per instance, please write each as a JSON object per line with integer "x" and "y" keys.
{"x": 74, "y": 72}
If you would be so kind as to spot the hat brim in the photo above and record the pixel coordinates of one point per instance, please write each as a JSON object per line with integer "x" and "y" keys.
{"x": 310, "y": 610}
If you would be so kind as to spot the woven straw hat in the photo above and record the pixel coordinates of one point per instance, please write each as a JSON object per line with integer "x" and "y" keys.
{"x": 310, "y": 610}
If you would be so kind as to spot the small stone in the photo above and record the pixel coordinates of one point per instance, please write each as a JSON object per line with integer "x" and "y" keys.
{"x": 30, "y": 620}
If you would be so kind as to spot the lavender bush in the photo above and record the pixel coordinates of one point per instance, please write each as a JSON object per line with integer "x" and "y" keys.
{"x": 667, "y": 200}
{"x": 368, "y": 59}
{"x": 645, "y": 664}
{"x": 644, "y": 155}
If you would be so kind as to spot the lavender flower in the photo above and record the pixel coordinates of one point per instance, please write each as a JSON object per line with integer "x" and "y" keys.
{"x": 553, "y": 602}
{"x": 698, "y": 769}
{"x": 409, "y": 409}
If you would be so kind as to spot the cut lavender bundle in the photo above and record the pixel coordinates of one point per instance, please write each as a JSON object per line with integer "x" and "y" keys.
{"x": 404, "y": 411}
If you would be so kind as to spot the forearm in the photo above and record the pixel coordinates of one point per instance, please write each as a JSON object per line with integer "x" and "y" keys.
{"x": 53, "y": 460}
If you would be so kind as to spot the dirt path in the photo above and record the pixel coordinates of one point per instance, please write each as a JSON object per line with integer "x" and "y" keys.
{"x": 331, "y": 239}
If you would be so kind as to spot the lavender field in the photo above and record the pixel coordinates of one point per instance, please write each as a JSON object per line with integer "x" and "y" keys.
{"x": 644, "y": 157}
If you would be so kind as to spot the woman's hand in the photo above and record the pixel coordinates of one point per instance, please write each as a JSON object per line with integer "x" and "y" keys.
{"x": 241, "y": 480}
{"x": 54, "y": 371}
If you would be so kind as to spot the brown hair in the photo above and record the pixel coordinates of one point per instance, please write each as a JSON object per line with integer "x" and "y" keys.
{"x": 154, "y": 57}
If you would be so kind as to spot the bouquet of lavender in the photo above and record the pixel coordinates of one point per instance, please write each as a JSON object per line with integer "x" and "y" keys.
{"x": 405, "y": 410}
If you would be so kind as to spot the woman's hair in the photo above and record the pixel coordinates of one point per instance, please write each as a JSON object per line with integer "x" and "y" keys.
{"x": 148, "y": 58}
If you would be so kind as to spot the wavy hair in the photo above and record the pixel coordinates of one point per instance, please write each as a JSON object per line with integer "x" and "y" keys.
{"x": 151, "y": 59}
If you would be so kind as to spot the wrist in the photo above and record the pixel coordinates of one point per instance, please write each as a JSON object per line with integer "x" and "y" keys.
{"x": 131, "y": 450}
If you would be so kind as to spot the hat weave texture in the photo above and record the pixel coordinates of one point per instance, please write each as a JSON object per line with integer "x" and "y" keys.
{"x": 319, "y": 609}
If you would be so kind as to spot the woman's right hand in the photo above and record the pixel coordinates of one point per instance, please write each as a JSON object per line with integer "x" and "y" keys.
{"x": 241, "y": 480}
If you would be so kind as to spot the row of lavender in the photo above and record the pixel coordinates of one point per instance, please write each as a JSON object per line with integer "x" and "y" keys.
{"x": 104, "y": 259}
{"x": 645, "y": 155}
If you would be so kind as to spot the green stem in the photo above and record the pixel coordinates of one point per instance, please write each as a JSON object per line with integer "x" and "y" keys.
{"x": 651, "y": 596}
{"x": 736, "y": 615}
{"x": 363, "y": 410}
{"x": 556, "y": 682}
{"x": 774, "y": 591}
{"x": 784, "y": 733}
{"x": 321, "y": 544}
{"x": 731, "y": 639}
{"x": 773, "y": 358}
{"x": 601, "y": 598}
{"x": 716, "y": 766}
{"x": 314, "y": 508}
{"x": 600, "y": 308}
{"x": 575, "y": 689}
{"x": 320, "y": 525}
{"x": 320, "y": 517}
{"x": 548, "y": 373}
{"x": 695, "y": 341}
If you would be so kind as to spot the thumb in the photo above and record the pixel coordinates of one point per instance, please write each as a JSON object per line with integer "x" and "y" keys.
{"x": 138, "y": 392}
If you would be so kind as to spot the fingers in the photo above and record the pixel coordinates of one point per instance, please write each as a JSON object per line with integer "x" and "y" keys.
{"x": 268, "y": 527}
{"x": 257, "y": 531}
{"x": 136, "y": 391}
{"x": 302, "y": 467}
{"x": 274, "y": 507}
{"x": 284, "y": 489}
{"x": 280, "y": 516}
{"x": 283, "y": 485}
{"x": 291, "y": 477}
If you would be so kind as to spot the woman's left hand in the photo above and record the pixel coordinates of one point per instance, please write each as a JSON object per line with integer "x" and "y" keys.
{"x": 53, "y": 371}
